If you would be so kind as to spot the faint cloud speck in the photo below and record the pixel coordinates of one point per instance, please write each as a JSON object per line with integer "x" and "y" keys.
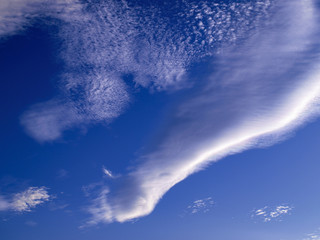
{"x": 62, "y": 174}
{"x": 31, "y": 223}
{"x": 200, "y": 206}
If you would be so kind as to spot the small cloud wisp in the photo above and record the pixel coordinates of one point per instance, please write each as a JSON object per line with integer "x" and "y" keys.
{"x": 25, "y": 201}
{"x": 268, "y": 214}
{"x": 201, "y": 205}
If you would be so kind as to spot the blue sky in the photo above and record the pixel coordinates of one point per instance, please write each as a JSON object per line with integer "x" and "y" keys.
{"x": 159, "y": 120}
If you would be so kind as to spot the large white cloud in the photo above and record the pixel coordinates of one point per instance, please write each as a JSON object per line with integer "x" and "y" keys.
{"x": 261, "y": 90}
{"x": 107, "y": 40}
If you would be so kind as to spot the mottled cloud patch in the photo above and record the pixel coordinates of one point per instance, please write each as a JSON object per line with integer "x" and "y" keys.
{"x": 200, "y": 206}
{"x": 25, "y": 201}
{"x": 267, "y": 214}
{"x": 100, "y": 47}
{"x": 30, "y": 198}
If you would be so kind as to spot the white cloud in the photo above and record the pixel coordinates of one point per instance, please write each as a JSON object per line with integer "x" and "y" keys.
{"x": 30, "y": 198}
{"x": 100, "y": 209}
{"x": 258, "y": 91}
{"x": 107, "y": 172}
{"x": 100, "y": 47}
{"x": 46, "y": 121}
{"x": 18, "y": 15}
{"x": 26, "y": 200}
{"x": 268, "y": 214}
{"x": 14, "y": 14}
{"x": 201, "y": 205}
{"x": 313, "y": 236}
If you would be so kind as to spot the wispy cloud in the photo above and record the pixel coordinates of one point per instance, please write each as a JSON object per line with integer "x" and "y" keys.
{"x": 101, "y": 47}
{"x": 31, "y": 223}
{"x": 313, "y": 236}
{"x": 25, "y": 201}
{"x": 268, "y": 214}
{"x": 17, "y": 15}
{"x": 100, "y": 209}
{"x": 30, "y": 198}
{"x": 4, "y": 204}
{"x": 46, "y": 121}
{"x": 14, "y": 15}
{"x": 200, "y": 206}
{"x": 259, "y": 90}
{"x": 107, "y": 172}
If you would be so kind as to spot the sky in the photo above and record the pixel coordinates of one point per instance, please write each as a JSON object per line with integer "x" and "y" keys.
{"x": 164, "y": 119}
